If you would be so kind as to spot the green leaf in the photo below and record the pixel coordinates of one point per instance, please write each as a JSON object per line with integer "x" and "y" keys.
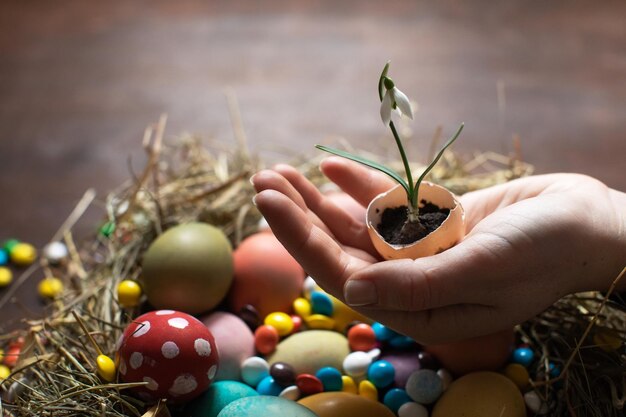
{"x": 434, "y": 162}
{"x": 375, "y": 165}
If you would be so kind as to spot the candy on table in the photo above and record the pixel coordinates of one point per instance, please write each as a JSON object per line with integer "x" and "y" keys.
{"x": 424, "y": 386}
{"x": 291, "y": 392}
{"x": 309, "y": 384}
{"x": 4, "y": 372}
{"x": 321, "y": 303}
{"x": 280, "y": 321}
{"x": 523, "y": 355}
{"x": 518, "y": 374}
{"x": 357, "y": 363}
{"x": 381, "y": 373}
{"x": 331, "y": 378}
{"x": 266, "y": 339}
{"x": 368, "y": 390}
{"x": 283, "y": 374}
{"x": 319, "y": 322}
{"x": 128, "y": 293}
{"x": 253, "y": 370}
{"x": 23, "y": 254}
{"x": 50, "y": 287}
{"x": 55, "y": 252}
{"x": 6, "y": 276}
{"x": 361, "y": 337}
{"x": 348, "y": 384}
{"x": 396, "y": 398}
{"x": 268, "y": 386}
{"x": 302, "y": 307}
{"x": 412, "y": 409}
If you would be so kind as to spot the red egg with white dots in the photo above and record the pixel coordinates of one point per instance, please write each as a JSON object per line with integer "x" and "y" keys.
{"x": 173, "y": 352}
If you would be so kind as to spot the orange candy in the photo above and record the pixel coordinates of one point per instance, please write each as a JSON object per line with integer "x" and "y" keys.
{"x": 265, "y": 339}
{"x": 361, "y": 337}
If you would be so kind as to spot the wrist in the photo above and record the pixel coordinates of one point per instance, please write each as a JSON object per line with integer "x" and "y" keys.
{"x": 618, "y": 244}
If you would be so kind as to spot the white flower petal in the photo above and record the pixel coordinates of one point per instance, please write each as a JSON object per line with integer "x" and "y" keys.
{"x": 402, "y": 101}
{"x": 385, "y": 108}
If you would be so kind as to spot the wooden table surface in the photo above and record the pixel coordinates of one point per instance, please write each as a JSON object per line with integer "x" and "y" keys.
{"x": 80, "y": 80}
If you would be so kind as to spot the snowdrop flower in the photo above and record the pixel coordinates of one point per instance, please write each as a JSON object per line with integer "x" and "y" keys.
{"x": 394, "y": 99}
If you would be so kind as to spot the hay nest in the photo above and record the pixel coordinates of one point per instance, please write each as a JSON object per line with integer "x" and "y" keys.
{"x": 55, "y": 373}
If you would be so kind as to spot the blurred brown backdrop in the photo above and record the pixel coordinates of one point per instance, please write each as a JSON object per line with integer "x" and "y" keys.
{"x": 80, "y": 80}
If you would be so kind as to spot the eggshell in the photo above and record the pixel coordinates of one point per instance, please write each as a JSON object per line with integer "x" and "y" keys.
{"x": 447, "y": 235}
{"x": 404, "y": 362}
{"x": 309, "y": 351}
{"x": 481, "y": 394}
{"x": 343, "y": 404}
{"x": 234, "y": 340}
{"x": 218, "y": 396}
{"x": 188, "y": 268}
{"x": 483, "y": 353}
{"x": 265, "y": 406}
{"x": 266, "y": 275}
{"x": 172, "y": 351}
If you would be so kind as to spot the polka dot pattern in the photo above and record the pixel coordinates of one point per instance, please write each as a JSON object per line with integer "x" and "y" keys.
{"x": 172, "y": 352}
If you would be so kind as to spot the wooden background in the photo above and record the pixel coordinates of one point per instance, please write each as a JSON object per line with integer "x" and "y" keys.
{"x": 80, "y": 80}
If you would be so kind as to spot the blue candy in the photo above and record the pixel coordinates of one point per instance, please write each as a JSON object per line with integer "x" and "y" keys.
{"x": 268, "y": 386}
{"x": 555, "y": 371}
{"x": 402, "y": 342}
{"x": 524, "y": 356}
{"x": 382, "y": 332}
{"x": 331, "y": 378}
{"x": 396, "y": 398}
{"x": 321, "y": 303}
{"x": 4, "y": 257}
{"x": 381, "y": 373}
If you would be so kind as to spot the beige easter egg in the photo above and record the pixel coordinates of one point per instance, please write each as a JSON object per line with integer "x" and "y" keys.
{"x": 311, "y": 350}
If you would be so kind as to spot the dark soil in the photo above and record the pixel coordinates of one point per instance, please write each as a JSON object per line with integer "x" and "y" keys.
{"x": 395, "y": 229}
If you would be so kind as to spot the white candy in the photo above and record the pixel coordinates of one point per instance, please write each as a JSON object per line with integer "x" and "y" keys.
{"x": 55, "y": 252}
{"x": 535, "y": 403}
{"x": 446, "y": 378}
{"x": 309, "y": 285}
{"x": 253, "y": 370}
{"x": 412, "y": 409}
{"x": 374, "y": 354}
{"x": 291, "y": 393}
{"x": 356, "y": 363}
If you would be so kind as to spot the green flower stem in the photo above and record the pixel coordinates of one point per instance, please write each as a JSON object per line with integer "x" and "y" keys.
{"x": 412, "y": 206}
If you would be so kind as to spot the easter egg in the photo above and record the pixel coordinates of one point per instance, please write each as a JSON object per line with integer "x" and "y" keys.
{"x": 483, "y": 353}
{"x": 309, "y": 351}
{"x": 266, "y": 275}
{"x": 481, "y": 394}
{"x": 234, "y": 341}
{"x": 218, "y": 396}
{"x": 172, "y": 351}
{"x": 343, "y": 404}
{"x": 424, "y": 386}
{"x": 188, "y": 268}
{"x": 265, "y": 406}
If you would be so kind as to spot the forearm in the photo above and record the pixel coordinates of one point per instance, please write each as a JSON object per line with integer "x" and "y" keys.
{"x": 618, "y": 200}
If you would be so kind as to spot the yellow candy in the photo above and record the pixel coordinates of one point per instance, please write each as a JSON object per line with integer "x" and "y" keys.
{"x": 106, "y": 368}
{"x": 281, "y": 322}
{"x": 518, "y": 374}
{"x": 23, "y": 254}
{"x": 1, "y": 355}
{"x": 607, "y": 340}
{"x": 343, "y": 315}
{"x": 302, "y": 307}
{"x": 6, "y": 276}
{"x": 50, "y": 287}
{"x": 368, "y": 390}
{"x": 348, "y": 384}
{"x": 319, "y": 322}
{"x": 4, "y": 372}
{"x": 128, "y": 293}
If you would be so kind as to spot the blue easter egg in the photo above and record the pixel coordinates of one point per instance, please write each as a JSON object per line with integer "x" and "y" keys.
{"x": 396, "y": 398}
{"x": 218, "y": 396}
{"x": 331, "y": 378}
{"x": 381, "y": 373}
{"x": 321, "y": 303}
{"x": 265, "y": 406}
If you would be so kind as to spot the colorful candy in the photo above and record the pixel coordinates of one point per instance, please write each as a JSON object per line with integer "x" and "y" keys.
{"x": 309, "y": 384}
{"x": 396, "y": 398}
{"x": 361, "y": 337}
{"x": 4, "y": 256}
{"x": 253, "y": 370}
{"x": 321, "y": 303}
{"x": 268, "y": 386}
{"x": 424, "y": 386}
{"x": 368, "y": 390}
{"x": 382, "y": 332}
{"x": 106, "y": 368}
{"x": 381, "y": 373}
{"x": 128, "y": 293}
{"x": 412, "y": 409}
{"x": 55, "y": 252}
{"x": 23, "y": 254}
{"x": 281, "y": 322}
{"x": 302, "y": 307}
{"x": 50, "y": 287}
{"x": 348, "y": 385}
{"x": 266, "y": 339}
{"x": 6, "y": 276}
{"x": 524, "y": 356}
{"x": 292, "y": 393}
{"x": 319, "y": 322}
{"x": 331, "y": 378}
{"x": 283, "y": 374}
{"x": 357, "y": 363}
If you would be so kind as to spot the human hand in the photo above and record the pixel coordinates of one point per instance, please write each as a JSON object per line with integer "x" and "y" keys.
{"x": 528, "y": 243}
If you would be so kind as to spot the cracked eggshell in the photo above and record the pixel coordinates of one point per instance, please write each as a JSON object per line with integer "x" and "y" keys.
{"x": 172, "y": 351}
{"x": 447, "y": 235}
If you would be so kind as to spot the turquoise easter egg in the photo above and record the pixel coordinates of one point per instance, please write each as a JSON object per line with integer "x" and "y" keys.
{"x": 218, "y": 396}
{"x": 265, "y": 406}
